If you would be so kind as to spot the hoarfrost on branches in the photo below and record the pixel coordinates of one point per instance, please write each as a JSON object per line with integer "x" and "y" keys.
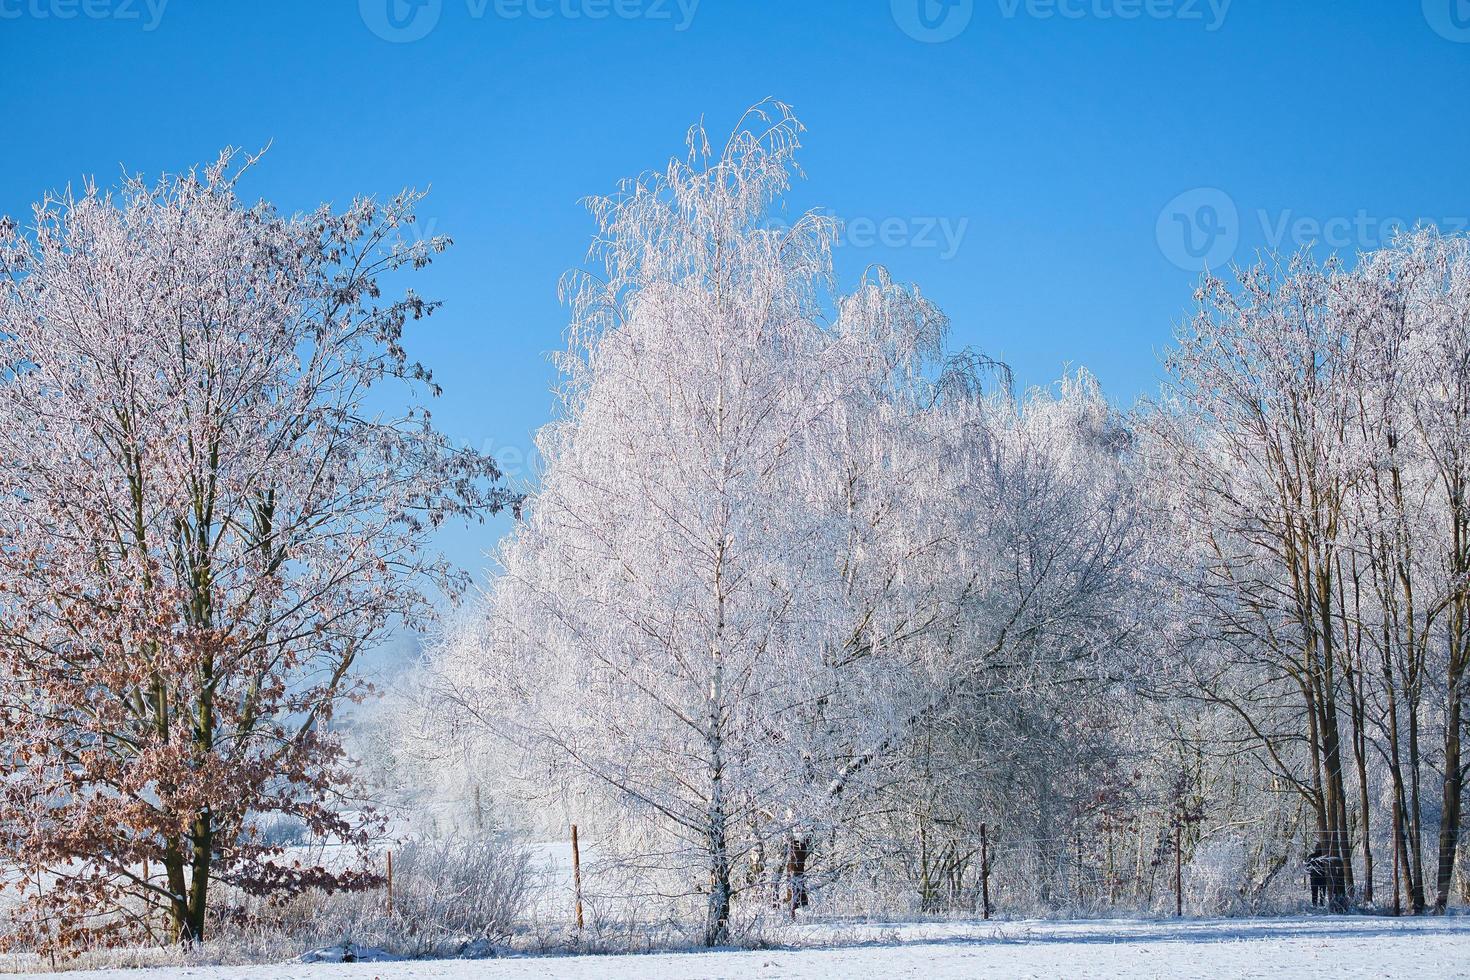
{"x": 204, "y": 520}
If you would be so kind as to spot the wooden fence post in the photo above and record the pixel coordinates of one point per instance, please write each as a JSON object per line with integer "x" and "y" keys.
{"x": 390, "y": 883}
{"x": 577, "y": 874}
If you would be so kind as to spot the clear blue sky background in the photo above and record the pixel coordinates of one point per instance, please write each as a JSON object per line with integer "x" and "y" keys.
{"x": 1058, "y": 140}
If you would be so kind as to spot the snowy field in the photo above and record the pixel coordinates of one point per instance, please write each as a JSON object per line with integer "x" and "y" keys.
{"x": 1280, "y": 948}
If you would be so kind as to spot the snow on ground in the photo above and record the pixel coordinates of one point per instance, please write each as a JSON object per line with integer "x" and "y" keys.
{"x": 1279, "y": 948}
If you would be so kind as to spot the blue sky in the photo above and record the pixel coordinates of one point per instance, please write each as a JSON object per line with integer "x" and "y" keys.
{"x": 1052, "y": 172}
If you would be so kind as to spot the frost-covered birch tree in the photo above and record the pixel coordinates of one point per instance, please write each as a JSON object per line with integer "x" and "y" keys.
{"x": 777, "y": 538}
{"x": 664, "y": 623}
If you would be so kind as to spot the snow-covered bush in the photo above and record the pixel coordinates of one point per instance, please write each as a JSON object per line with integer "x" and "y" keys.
{"x": 452, "y": 896}
{"x": 474, "y": 888}
{"x": 1215, "y": 877}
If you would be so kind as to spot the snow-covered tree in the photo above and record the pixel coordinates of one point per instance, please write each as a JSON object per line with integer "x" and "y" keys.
{"x": 1315, "y": 447}
{"x": 1410, "y": 312}
{"x": 664, "y": 614}
{"x": 777, "y": 539}
{"x": 1264, "y": 378}
{"x": 208, "y": 509}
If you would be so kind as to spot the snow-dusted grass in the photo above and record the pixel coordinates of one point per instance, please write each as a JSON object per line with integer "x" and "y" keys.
{"x": 1279, "y": 948}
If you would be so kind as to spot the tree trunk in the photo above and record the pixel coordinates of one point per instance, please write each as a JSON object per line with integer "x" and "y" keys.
{"x": 1415, "y": 822}
{"x": 178, "y": 905}
{"x": 796, "y": 858}
{"x": 1357, "y": 676}
{"x": 1459, "y": 658}
{"x": 1449, "y": 817}
{"x": 1340, "y": 841}
{"x": 717, "y": 914}
{"x": 203, "y": 835}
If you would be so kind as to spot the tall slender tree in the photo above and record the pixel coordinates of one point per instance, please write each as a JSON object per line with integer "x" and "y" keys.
{"x": 1430, "y": 275}
{"x": 1263, "y": 382}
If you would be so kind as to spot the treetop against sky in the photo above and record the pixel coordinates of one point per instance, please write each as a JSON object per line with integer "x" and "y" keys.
{"x": 1054, "y": 174}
